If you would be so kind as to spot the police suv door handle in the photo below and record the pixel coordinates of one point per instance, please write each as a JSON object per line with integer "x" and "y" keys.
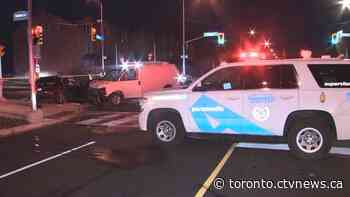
{"x": 286, "y": 97}
{"x": 233, "y": 98}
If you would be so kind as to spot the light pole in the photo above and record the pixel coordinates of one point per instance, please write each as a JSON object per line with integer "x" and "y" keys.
{"x": 102, "y": 39}
{"x": 30, "y": 55}
{"x": 183, "y": 39}
{"x": 2, "y": 52}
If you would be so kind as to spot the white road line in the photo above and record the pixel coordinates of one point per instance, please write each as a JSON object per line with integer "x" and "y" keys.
{"x": 46, "y": 160}
{"x": 99, "y": 119}
{"x": 216, "y": 171}
{"x": 120, "y": 121}
{"x": 334, "y": 150}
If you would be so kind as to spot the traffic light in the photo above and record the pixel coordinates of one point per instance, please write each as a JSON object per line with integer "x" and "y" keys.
{"x": 336, "y": 37}
{"x": 2, "y": 50}
{"x": 38, "y": 35}
{"x": 221, "y": 38}
{"x": 93, "y": 34}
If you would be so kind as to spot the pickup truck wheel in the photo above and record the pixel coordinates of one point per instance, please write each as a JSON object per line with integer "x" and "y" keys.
{"x": 168, "y": 129}
{"x": 310, "y": 139}
{"x": 115, "y": 99}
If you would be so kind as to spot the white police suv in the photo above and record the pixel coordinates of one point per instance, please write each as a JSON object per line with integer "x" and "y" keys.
{"x": 305, "y": 100}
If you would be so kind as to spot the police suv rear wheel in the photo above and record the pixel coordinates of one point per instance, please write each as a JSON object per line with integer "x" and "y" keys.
{"x": 167, "y": 129}
{"x": 310, "y": 140}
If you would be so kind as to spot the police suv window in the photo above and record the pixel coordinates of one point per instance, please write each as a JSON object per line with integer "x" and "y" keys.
{"x": 331, "y": 76}
{"x": 223, "y": 79}
{"x": 274, "y": 77}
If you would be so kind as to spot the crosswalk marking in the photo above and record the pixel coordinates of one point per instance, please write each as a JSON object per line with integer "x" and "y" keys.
{"x": 100, "y": 119}
{"x": 120, "y": 121}
{"x": 117, "y": 119}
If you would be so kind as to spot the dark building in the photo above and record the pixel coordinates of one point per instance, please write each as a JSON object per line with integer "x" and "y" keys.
{"x": 68, "y": 49}
{"x": 65, "y": 44}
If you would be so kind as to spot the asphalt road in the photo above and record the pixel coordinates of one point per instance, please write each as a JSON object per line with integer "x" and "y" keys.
{"x": 93, "y": 159}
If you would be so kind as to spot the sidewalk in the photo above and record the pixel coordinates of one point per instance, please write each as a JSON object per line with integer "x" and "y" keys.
{"x": 17, "y": 117}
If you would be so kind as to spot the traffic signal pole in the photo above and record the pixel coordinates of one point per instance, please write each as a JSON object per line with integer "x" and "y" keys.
{"x": 183, "y": 39}
{"x": 0, "y": 67}
{"x": 1, "y": 82}
{"x": 31, "y": 74}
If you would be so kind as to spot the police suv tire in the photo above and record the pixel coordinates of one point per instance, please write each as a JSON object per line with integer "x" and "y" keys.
{"x": 161, "y": 136}
{"x": 303, "y": 133}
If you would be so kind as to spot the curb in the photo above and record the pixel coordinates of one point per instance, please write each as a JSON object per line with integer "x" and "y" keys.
{"x": 46, "y": 122}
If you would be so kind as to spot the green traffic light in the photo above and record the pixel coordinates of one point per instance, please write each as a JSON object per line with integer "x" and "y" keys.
{"x": 221, "y": 39}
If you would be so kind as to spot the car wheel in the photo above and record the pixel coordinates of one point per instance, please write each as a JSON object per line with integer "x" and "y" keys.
{"x": 60, "y": 99}
{"x": 167, "y": 129}
{"x": 115, "y": 99}
{"x": 310, "y": 139}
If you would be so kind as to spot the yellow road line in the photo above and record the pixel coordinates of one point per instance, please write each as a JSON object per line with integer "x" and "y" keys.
{"x": 216, "y": 171}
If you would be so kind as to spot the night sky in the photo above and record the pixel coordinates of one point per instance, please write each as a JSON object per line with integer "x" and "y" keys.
{"x": 289, "y": 24}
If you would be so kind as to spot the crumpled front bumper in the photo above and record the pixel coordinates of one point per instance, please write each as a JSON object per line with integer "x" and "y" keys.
{"x": 97, "y": 95}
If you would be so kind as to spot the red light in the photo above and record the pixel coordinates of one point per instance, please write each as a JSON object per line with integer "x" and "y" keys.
{"x": 252, "y": 55}
{"x": 38, "y": 29}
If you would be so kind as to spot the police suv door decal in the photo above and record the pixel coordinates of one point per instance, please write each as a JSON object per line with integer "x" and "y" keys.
{"x": 212, "y": 117}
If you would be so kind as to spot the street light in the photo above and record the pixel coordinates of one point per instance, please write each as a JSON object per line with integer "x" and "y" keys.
{"x": 345, "y": 4}
{"x": 184, "y": 42}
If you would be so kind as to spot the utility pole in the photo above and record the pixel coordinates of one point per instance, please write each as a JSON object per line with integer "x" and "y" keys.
{"x": 183, "y": 39}
{"x": 1, "y": 82}
{"x": 102, "y": 40}
{"x": 31, "y": 74}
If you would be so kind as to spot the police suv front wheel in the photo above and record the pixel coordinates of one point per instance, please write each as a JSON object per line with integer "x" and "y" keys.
{"x": 167, "y": 129}
{"x": 308, "y": 140}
